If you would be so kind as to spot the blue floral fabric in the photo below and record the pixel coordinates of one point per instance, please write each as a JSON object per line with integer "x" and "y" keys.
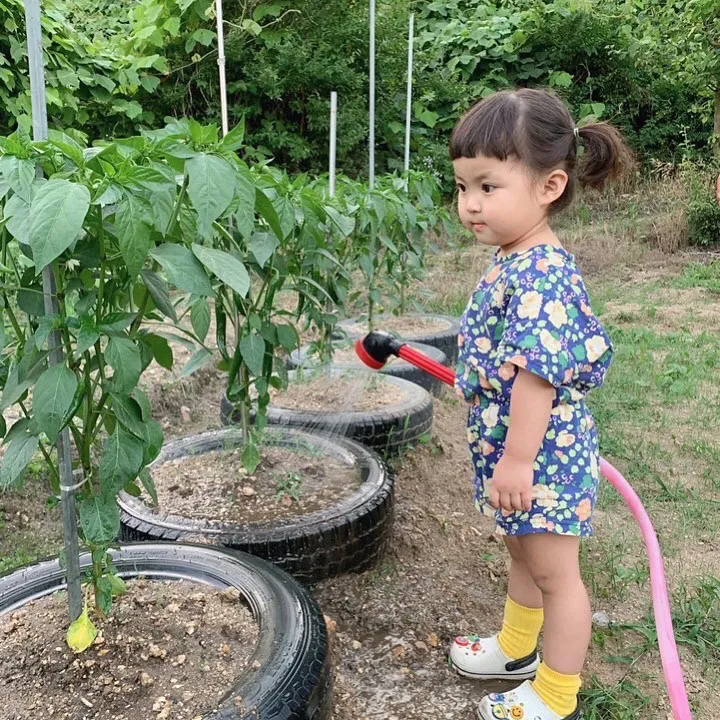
{"x": 531, "y": 310}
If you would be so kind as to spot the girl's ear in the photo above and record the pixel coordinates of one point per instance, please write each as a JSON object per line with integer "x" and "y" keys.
{"x": 553, "y": 186}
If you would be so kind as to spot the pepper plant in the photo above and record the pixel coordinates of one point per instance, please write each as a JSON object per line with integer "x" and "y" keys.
{"x": 119, "y": 223}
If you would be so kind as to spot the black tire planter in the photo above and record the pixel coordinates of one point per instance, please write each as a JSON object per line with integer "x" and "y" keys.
{"x": 396, "y": 368}
{"x": 388, "y": 431}
{"x": 348, "y": 537}
{"x": 294, "y": 680}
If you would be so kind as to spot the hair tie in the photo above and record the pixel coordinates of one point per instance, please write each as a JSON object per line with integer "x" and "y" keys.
{"x": 576, "y": 132}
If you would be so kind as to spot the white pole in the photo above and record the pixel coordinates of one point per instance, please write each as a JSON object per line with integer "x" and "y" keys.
{"x": 408, "y": 113}
{"x": 221, "y": 66}
{"x": 372, "y": 94}
{"x": 333, "y": 140}
{"x": 36, "y": 62}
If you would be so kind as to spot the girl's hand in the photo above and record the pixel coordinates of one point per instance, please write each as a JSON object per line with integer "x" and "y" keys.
{"x": 511, "y": 484}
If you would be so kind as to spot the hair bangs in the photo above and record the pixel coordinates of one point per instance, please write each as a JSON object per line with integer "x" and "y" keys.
{"x": 489, "y": 128}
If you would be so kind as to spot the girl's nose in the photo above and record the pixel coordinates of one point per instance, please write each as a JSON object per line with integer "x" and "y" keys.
{"x": 474, "y": 203}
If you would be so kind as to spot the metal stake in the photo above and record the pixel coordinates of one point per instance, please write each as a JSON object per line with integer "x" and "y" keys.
{"x": 221, "y": 66}
{"x": 333, "y": 140}
{"x": 372, "y": 96}
{"x": 408, "y": 112}
{"x": 33, "y": 29}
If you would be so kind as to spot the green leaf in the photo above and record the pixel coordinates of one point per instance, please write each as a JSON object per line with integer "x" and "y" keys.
{"x": 82, "y": 633}
{"x": 121, "y": 460}
{"x": 149, "y": 484}
{"x": 142, "y": 400}
{"x": 262, "y": 246}
{"x": 211, "y": 188}
{"x": 153, "y": 442}
{"x": 200, "y": 318}
{"x": 134, "y": 224}
{"x": 17, "y": 216}
{"x": 124, "y": 358}
{"x": 103, "y": 594}
{"x": 52, "y": 399}
{"x": 245, "y": 198}
{"x": 161, "y": 350}
{"x": 183, "y": 269}
{"x": 21, "y": 377}
{"x": 268, "y": 212}
{"x": 116, "y": 322}
{"x": 100, "y": 519}
{"x": 19, "y": 175}
{"x": 224, "y": 266}
{"x": 87, "y": 336}
{"x": 252, "y": 349}
{"x": 198, "y": 360}
{"x": 235, "y": 138}
{"x": 57, "y": 214}
{"x": 250, "y": 458}
{"x": 129, "y": 414}
{"x": 159, "y": 293}
{"x": 288, "y": 337}
{"x": 20, "y": 450}
{"x": 117, "y": 584}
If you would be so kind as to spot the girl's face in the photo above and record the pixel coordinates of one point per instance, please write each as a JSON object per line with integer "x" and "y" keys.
{"x": 501, "y": 203}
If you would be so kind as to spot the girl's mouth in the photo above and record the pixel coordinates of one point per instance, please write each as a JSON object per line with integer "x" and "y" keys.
{"x": 477, "y": 227}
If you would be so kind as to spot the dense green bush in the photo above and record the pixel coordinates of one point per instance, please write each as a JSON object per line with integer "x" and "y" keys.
{"x": 650, "y": 66}
{"x": 703, "y": 210}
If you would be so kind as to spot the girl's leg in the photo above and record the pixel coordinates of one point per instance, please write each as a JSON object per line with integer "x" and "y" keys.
{"x": 521, "y": 586}
{"x": 523, "y": 616}
{"x": 553, "y": 562}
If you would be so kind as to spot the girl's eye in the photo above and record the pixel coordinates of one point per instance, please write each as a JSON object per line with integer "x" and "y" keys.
{"x": 461, "y": 187}
{"x": 487, "y": 188}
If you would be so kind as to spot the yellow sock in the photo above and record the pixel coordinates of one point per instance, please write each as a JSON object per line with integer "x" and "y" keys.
{"x": 520, "y": 630}
{"x": 559, "y": 692}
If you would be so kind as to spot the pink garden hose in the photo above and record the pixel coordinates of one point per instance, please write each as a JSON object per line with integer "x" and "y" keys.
{"x": 374, "y": 350}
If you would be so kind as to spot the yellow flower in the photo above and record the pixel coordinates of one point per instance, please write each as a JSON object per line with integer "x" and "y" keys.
{"x": 545, "y": 496}
{"x": 552, "y": 345}
{"x": 595, "y": 347}
{"x": 498, "y": 294}
{"x": 538, "y": 521}
{"x": 507, "y": 371}
{"x": 564, "y": 411}
{"x": 584, "y": 509}
{"x": 490, "y": 415}
{"x": 483, "y": 344}
{"x": 556, "y": 313}
{"x": 555, "y": 259}
{"x": 530, "y": 305}
{"x": 565, "y": 439}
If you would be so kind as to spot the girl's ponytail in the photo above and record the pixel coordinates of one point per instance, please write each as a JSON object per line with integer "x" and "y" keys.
{"x": 604, "y": 154}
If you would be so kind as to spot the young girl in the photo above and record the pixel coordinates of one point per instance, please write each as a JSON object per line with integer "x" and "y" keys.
{"x": 530, "y": 350}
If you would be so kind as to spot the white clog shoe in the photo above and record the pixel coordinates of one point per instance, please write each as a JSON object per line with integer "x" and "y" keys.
{"x": 523, "y": 703}
{"x": 482, "y": 659}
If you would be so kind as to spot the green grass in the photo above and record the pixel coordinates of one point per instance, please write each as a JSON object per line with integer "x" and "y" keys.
{"x": 621, "y": 701}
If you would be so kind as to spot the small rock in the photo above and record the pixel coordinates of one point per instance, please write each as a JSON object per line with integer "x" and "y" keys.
{"x": 433, "y": 640}
{"x": 146, "y": 680}
{"x": 286, "y": 501}
{"x": 331, "y": 624}
{"x": 256, "y": 665}
{"x": 420, "y": 645}
{"x": 601, "y": 619}
{"x": 398, "y": 651}
{"x": 248, "y": 491}
{"x": 173, "y": 608}
{"x": 230, "y": 595}
{"x": 356, "y": 644}
{"x": 187, "y": 695}
{"x": 156, "y": 651}
{"x": 179, "y": 660}
{"x": 224, "y": 650}
{"x": 159, "y": 703}
{"x": 185, "y": 415}
{"x": 190, "y": 629}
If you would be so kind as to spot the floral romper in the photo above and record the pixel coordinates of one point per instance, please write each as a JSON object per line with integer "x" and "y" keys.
{"x": 531, "y": 310}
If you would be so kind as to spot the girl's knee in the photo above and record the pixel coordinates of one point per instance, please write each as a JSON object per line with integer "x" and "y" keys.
{"x": 515, "y": 548}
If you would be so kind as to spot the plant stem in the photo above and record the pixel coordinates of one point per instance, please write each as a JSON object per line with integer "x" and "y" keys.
{"x": 46, "y": 454}
{"x": 178, "y": 205}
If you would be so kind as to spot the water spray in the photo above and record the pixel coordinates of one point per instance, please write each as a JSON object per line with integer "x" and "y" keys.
{"x": 375, "y": 349}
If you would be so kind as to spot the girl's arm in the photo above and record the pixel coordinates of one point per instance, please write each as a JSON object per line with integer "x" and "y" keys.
{"x": 530, "y": 406}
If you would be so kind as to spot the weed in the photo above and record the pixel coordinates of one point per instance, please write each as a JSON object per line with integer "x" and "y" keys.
{"x": 288, "y": 484}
